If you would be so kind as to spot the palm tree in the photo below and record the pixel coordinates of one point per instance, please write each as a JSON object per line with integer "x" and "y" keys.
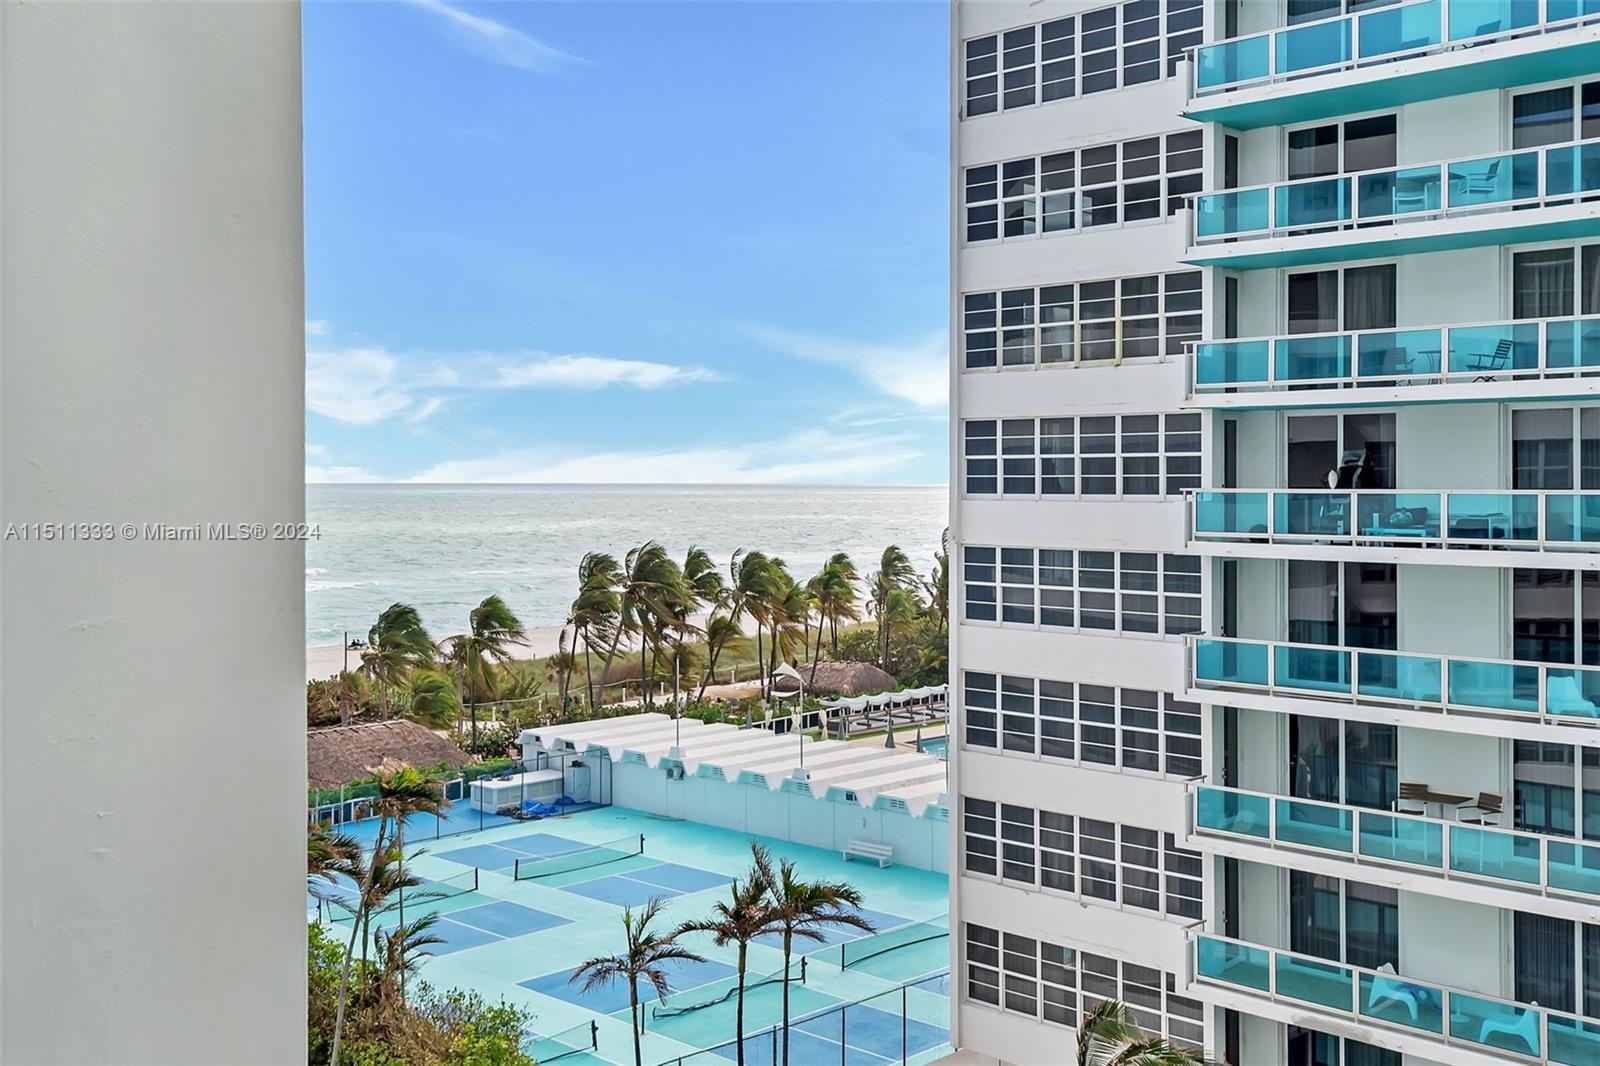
{"x": 402, "y": 790}
{"x": 789, "y": 617}
{"x": 937, "y": 585}
{"x": 331, "y": 854}
{"x": 894, "y": 575}
{"x": 434, "y": 701}
{"x": 336, "y": 698}
{"x": 563, "y": 662}
{"x": 647, "y": 571}
{"x": 642, "y": 958}
{"x": 397, "y": 643}
{"x": 801, "y": 909}
{"x": 400, "y": 950}
{"x": 492, "y": 629}
{"x": 749, "y": 575}
{"x": 1108, "y": 1036}
{"x": 834, "y": 592}
{"x": 593, "y": 614}
{"x": 744, "y": 916}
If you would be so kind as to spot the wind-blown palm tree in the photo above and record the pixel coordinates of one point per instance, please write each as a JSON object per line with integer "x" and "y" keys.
{"x": 738, "y": 920}
{"x": 331, "y": 854}
{"x": 641, "y": 958}
{"x": 802, "y": 909}
{"x": 834, "y": 593}
{"x": 400, "y": 950}
{"x": 434, "y": 701}
{"x": 397, "y": 643}
{"x": 1108, "y": 1036}
{"x": 402, "y": 790}
{"x": 788, "y": 620}
{"x": 646, "y": 575}
{"x": 492, "y": 630}
{"x": 890, "y": 595}
{"x": 593, "y": 614}
{"x": 937, "y": 585}
{"x": 340, "y": 697}
{"x": 749, "y": 575}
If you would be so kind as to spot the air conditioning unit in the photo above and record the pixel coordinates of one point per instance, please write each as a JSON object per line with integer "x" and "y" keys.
{"x": 674, "y": 773}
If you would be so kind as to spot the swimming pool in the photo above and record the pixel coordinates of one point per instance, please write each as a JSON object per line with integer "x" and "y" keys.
{"x": 939, "y": 746}
{"x": 520, "y": 940}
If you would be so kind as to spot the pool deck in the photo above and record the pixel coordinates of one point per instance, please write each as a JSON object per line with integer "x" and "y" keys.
{"x": 520, "y": 940}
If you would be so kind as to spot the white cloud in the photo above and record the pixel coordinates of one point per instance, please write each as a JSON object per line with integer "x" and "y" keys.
{"x": 594, "y": 372}
{"x": 338, "y": 475}
{"x": 316, "y": 327}
{"x": 316, "y": 451}
{"x": 364, "y": 386}
{"x": 498, "y": 42}
{"x": 918, "y": 372}
{"x": 813, "y": 457}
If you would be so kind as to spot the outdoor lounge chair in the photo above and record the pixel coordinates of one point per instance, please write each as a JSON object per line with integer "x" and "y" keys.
{"x": 1411, "y": 798}
{"x": 1562, "y": 696}
{"x": 1486, "y": 806}
{"x": 1392, "y": 990}
{"x": 1521, "y": 1024}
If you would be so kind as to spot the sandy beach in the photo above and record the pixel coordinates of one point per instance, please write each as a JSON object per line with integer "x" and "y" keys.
{"x": 326, "y": 660}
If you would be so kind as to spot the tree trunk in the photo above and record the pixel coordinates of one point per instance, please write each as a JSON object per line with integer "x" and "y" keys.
{"x": 611, "y": 654}
{"x": 712, "y": 651}
{"x": 644, "y": 675}
{"x": 350, "y": 948}
{"x": 588, "y": 671}
{"x": 761, "y": 662}
{"x": 738, "y": 1014}
{"x": 633, "y": 1017}
{"x": 788, "y": 946}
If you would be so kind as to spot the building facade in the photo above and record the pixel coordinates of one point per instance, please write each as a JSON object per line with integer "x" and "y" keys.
{"x": 1276, "y": 509}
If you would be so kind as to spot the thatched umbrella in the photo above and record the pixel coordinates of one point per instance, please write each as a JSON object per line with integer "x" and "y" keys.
{"x": 849, "y": 679}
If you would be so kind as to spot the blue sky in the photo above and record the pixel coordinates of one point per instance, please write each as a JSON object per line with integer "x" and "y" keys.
{"x": 641, "y": 242}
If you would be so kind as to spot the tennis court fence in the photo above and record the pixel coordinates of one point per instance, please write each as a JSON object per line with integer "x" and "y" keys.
{"x": 908, "y": 1025}
{"x": 722, "y": 991}
{"x": 339, "y": 906}
{"x": 536, "y": 866}
{"x": 574, "y": 1041}
{"x": 861, "y": 949}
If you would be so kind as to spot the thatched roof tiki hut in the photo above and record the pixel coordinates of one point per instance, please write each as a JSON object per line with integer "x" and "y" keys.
{"x": 340, "y": 754}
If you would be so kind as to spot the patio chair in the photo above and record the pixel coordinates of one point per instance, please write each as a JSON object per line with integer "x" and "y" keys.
{"x": 1487, "y": 806}
{"x": 1522, "y": 1025}
{"x": 1562, "y": 696}
{"x": 1392, "y": 990}
{"x": 1411, "y": 792}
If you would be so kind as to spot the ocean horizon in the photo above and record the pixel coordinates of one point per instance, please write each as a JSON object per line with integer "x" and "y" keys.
{"x": 443, "y": 547}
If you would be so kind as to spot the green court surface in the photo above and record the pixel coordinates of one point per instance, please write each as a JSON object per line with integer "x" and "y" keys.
{"x": 519, "y": 940}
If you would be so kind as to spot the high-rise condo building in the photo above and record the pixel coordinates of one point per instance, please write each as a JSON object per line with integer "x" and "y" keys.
{"x": 1276, "y": 518}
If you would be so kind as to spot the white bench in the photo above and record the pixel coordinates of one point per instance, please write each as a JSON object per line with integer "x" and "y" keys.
{"x": 882, "y": 854}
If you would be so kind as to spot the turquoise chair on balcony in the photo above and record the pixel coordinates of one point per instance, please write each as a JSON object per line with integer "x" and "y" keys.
{"x": 1385, "y": 990}
{"x": 1522, "y": 1025}
{"x": 1562, "y": 696}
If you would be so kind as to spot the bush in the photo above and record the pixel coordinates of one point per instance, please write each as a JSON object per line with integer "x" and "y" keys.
{"x": 494, "y": 739}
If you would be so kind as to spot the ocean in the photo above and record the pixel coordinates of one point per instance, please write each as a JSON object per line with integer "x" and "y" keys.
{"x": 442, "y": 548}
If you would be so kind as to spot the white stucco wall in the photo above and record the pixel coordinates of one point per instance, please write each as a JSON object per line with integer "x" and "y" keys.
{"x": 152, "y": 758}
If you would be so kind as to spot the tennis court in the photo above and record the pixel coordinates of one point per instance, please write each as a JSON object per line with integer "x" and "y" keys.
{"x": 524, "y": 907}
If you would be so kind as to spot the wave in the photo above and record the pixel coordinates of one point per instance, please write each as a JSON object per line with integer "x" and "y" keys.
{"x": 315, "y": 571}
{"x": 329, "y": 586}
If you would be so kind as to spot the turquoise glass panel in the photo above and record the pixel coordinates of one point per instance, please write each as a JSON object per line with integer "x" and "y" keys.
{"x": 1492, "y": 516}
{"x": 1395, "y": 839}
{"x": 1572, "y": 519}
{"x": 1392, "y": 676}
{"x": 1497, "y": 349}
{"x": 1311, "y": 981}
{"x": 1398, "y": 515}
{"x": 1574, "y": 868}
{"x": 1406, "y": 28}
{"x": 1494, "y": 180}
{"x": 1312, "y": 203}
{"x": 1316, "y": 358}
{"x": 1227, "y": 811}
{"x": 1572, "y": 693}
{"x": 1223, "y": 213}
{"x": 1496, "y": 1025}
{"x": 1557, "y": 10}
{"x": 1573, "y": 1041}
{"x": 1484, "y": 18}
{"x": 1311, "y": 514}
{"x": 1507, "y": 687}
{"x": 1572, "y": 342}
{"x": 1399, "y": 192}
{"x": 1502, "y": 856}
{"x": 1230, "y": 62}
{"x": 1230, "y": 512}
{"x": 1401, "y": 1001}
{"x": 1574, "y": 168}
{"x": 1317, "y": 44}
{"x": 1399, "y": 353}
{"x": 1234, "y": 964}
{"x": 1230, "y": 662}
{"x": 1317, "y": 669}
{"x": 1315, "y": 826}
{"x": 1232, "y": 363}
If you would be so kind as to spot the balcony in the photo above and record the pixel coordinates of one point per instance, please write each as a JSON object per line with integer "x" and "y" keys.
{"x": 1404, "y": 525}
{"x": 1413, "y": 688}
{"x": 1514, "y": 196}
{"x": 1542, "y": 358}
{"x": 1482, "y": 1028}
{"x": 1523, "y": 863}
{"x": 1353, "y": 62}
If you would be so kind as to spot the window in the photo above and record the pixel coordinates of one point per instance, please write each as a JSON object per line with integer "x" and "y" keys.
{"x": 1093, "y": 725}
{"x": 1017, "y": 587}
{"x": 983, "y": 964}
{"x": 1016, "y": 849}
{"x": 1057, "y": 54}
{"x": 1555, "y": 448}
{"x": 1020, "y": 71}
{"x": 1097, "y": 844}
{"x": 1343, "y": 920}
{"x": 1551, "y": 116}
{"x": 1056, "y": 851}
{"x": 978, "y": 576}
{"x": 1037, "y": 457}
{"x": 981, "y": 829}
{"x": 1150, "y": 316}
{"x": 1341, "y": 148}
{"x": 1132, "y": 181}
{"x": 1130, "y": 592}
{"x": 1020, "y": 960}
{"x": 1328, "y": 301}
{"x": 982, "y": 83}
{"x": 1555, "y": 617}
{"x": 1100, "y": 50}
{"x": 1185, "y": 878}
{"x": 1141, "y": 42}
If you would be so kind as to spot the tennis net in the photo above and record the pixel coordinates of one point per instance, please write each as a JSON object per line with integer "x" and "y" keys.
{"x": 343, "y": 908}
{"x": 673, "y": 1006}
{"x": 594, "y": 855}
{"x": 852, "y": 952}
{"x": 574, "y": 1041}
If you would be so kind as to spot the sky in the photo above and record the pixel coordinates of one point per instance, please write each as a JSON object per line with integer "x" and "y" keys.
{"x": 626, "y": 242}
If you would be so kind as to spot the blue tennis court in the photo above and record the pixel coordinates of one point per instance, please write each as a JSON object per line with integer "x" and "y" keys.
{"x": 504, "y": 853}
{"x": 856, "y": 1035}
{"x": 835, "y": 934}
{"x": 486, "y": 923}
{"x": 613, "y": 997}
{"x": 637, "y": 887}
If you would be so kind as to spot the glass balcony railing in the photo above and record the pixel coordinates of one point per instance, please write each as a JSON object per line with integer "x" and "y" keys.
{"x": 1525, "y": 350}
{"x": 1380, "y": 36}
{"x": 1521, "y": 862}
{"x": 1453, "y": 1017}
{"x": 1546, "y": 693}
{"x": 1412, "y": 518}
{"x": 1499, "y": 182}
